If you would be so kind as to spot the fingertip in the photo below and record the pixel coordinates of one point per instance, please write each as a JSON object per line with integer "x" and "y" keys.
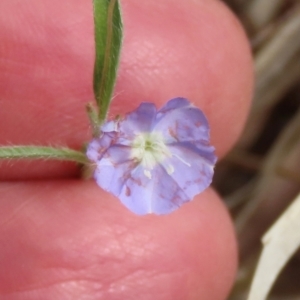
{"x": 76, "y": 227}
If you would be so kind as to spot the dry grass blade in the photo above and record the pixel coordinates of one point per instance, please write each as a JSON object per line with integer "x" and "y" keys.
{"x": 273, "y": 192}
{"x": 241, "y": 195}
{"x": 261, "y": 176}
{"x": 277, "y": 67}
{"x": 261, "y": 12}
{"x": 280, "y": 243}
{"x": 276, "y": 54}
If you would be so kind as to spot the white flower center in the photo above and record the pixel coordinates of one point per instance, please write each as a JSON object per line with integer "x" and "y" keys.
{"x": 150, "y": 149}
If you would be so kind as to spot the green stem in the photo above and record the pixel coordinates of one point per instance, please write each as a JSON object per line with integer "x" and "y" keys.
{"x": 108, "y": 40}
{"x": 93, "y": 117}
{"x": 107, "y": 53}
{"x": 37, "y": 152}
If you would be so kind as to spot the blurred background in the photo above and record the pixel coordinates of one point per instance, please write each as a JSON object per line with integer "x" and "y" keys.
{"x": 260, "y": 177}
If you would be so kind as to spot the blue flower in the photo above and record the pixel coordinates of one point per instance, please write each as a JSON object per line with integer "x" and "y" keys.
{"x": 154, "y": 160}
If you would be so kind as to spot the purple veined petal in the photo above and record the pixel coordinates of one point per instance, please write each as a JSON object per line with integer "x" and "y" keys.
{"x": 203, "y": 149}
{"x": 174, "y": 103}
{"x": 139, "y": 120}
{"x": 126, "y": 128}
{"x": 118, "y": 174}
{"x": 180, "y": 121}
{"x": 114, "y": 168}
{"x": 97, "y": 147}
{"x": 191, "y": 168}
{"x": 158, "y": 195}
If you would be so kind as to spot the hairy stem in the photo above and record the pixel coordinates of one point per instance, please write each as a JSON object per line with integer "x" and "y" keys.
{"x": 40, "y": 152}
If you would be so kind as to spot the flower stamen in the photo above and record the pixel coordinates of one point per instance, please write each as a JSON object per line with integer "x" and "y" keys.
{"x": 182, "y": 160}
{"x": 149, "y": 149}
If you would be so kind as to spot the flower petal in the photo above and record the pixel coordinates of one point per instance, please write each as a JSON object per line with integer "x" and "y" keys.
{"x": 159, "y": 195}
{"x": 180, "y": 121}
{"x": 97, "y": 147}
{"x": 114, "y": 168}
{"x": 175, "y": 103}
{"x": 140, "y": 120}
{"x": 192, "y": 168}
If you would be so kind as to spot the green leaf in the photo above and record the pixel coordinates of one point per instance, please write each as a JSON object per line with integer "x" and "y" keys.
{"x": 41, "y": 152}
{"x": 108, "y": 39}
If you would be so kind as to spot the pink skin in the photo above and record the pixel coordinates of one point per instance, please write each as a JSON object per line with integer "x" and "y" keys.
{"x": 68, "y": 239}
